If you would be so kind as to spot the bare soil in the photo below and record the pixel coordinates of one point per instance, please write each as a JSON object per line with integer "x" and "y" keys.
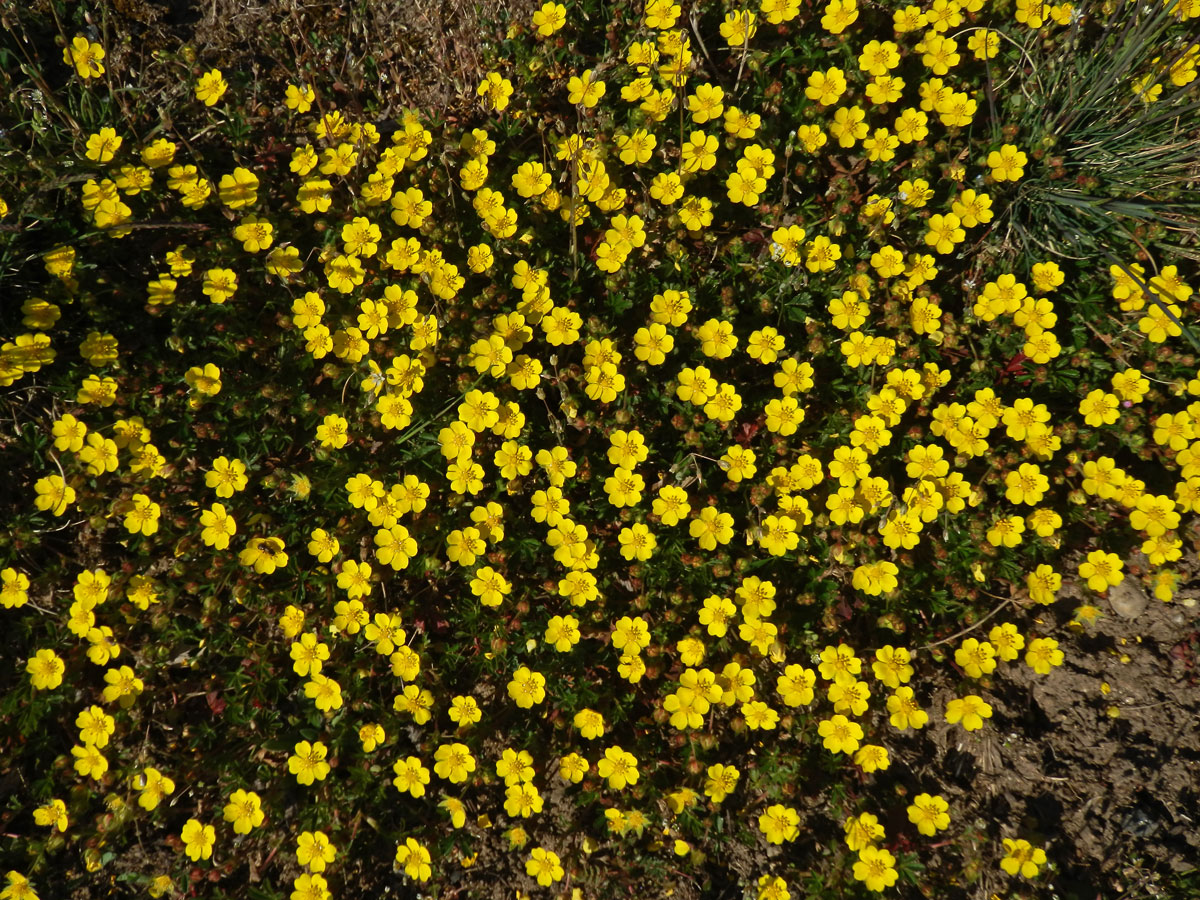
{"x": 1098, "y": 761}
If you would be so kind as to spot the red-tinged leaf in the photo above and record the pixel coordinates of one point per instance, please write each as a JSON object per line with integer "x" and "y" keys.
{"x": 215, "y": 703}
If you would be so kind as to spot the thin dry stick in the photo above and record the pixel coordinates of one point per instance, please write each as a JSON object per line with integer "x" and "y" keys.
{"x": 745, "y": 47}
{"x": 692, "y": 18}
{"x": 1016, "y": 70}
{"x": 969, "y": 628}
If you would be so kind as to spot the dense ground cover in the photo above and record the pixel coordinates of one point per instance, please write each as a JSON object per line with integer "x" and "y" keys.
{"x": 725, "y": 451}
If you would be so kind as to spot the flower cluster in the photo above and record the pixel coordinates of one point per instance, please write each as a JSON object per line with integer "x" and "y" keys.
{"x": 534, "y": 462}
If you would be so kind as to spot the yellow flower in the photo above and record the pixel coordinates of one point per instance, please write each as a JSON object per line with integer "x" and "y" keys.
{"x": 244, "y": 811}
{"x": 661, "y": 14}
{"x": 583, "y": 89}
{"x": 325, "y": 693}
{"x": 411, "y": 776}
{"x": 875, "y": 868}
{"x": 825, "y": 88}
{"x": 371, "y": 735}
{"x": 929, "y": 812}
{"x": 839, "y": 734}
{"x": 45, "y": 669}
{"x": 1102, "y": 570}
{"x": 39, "y": 313}
{"x": 976, "y": 658}
{"x": 712, "y": 527}
{"x": 706, "y": 103}
{"x": 772, "y": 887}
{"x": 464, "y": 545}
{"x": 527, "y": 687}
{"x": 89, "y": 761}
{"x": 60, "y": 261}
{"x": 217, "y": 527}
{"x": 573, "y": 767}
{"x": 314, "y": 850}
{"x": 739, "y": 27}
{"x": 99, "y": 349}
{"x": 1007, "y": 163}
{"x": 415, "y": 859}
{"x": 490, "y": 586}
{"x": 53, "y": 815}
{"x": 1043, "y": 654}
{"x": 333, "y": 432}
{"x": 238, "y": 189}
{"x": 633, "y": 633}
{"x": 159, "y": 154}
{"x": 549, "y": 18}
{"x": 891, "y": 666}
{"x": 1154, "y": 514}
{"x": 307, "y": 762}
{"x": 862, "y": 831}
{"x": 637, "y": 543}
{"x": 494, "y": 91}
{"x": 226, "y": 477}
{"x": 300, "y": 97}
{"x": 904, "y": 711}
{"x": 1022, "y": 857}
{"x": 211, "y": 87}
{"x": 453, "y": 762}
{"x": 85, "y": 56}
{"x": 53, "y": 494}
{"x": 14, "y": 588}
{"x": 1130, "y": 385}
{"x": 198, "y": 839}
{"x": 142, "y": 518}
{"x": 619, "y": 767}
{"x": 205, "y": 381}
{"x": 255, "y": 233}
{"x": 666, "y": 187}
{"x": 515, "y": 767}
{"x": 562, "y": 632}
{"x": 544, "y": 866}
{"x": 876, "y": 578}
{"x": 944, "y": 232}
{"x": 523, "y": 800}
{"x": 720, "y": 781}
{"x": 457, "y": 811}
{"x": 415, "y": 701}
{"x": 355, "y": 579}
{"x": 122, "y": 685}
{"x": 970, "y": 710}
{"x": 103, "y": 145}
{"x": 1026, "y": 485}
{"x": 779, "y": 823}
{"x": 881, "y": 145}
{"x": 1006, "y": 531}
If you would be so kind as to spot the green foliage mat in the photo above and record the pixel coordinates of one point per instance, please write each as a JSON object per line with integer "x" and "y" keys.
{"x": 668, "y": 473}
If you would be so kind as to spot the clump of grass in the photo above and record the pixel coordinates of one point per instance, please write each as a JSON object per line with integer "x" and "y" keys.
{"x": 1118, "y": 138}
{"x": 1117, "y": 127}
